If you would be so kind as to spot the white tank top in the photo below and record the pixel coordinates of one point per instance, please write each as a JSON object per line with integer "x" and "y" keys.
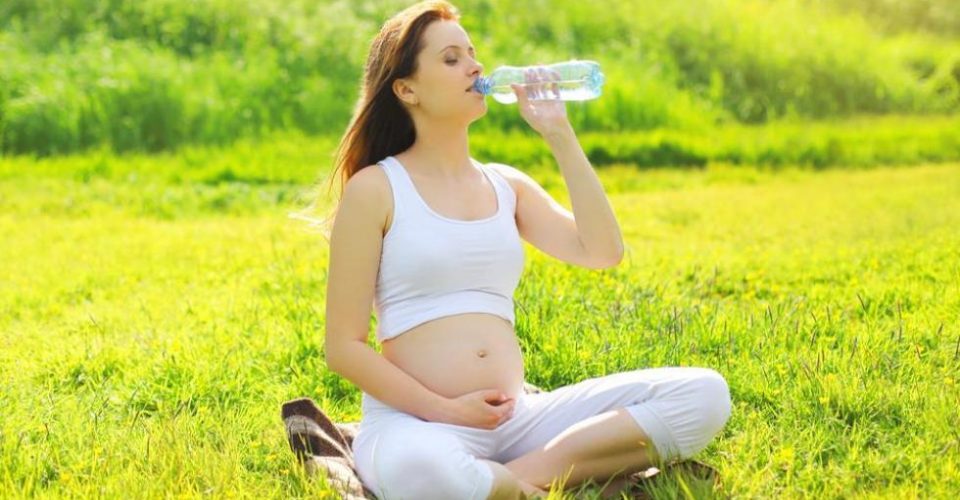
{"x": 433, "y": 266}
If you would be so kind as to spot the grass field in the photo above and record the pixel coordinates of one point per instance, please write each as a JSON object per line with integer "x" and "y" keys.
{"x": 152, "y": 326}
{"x": 155, "y": 75}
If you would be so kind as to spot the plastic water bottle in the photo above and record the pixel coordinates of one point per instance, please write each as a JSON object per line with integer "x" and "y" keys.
{"x": 574, "y": 80}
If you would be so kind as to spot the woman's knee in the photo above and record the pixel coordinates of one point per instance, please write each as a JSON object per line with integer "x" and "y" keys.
{"x": 709, "y": 400}
{"x": 713, "y": 396}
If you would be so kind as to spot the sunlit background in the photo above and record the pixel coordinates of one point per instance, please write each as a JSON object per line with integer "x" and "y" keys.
{"x": 785, "y": 175}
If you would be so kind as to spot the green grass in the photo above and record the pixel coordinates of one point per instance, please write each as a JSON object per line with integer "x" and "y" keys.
{"x": 153, "y": 323}
{"x": 154, "y": 75}
{"x": 282, "y": 161}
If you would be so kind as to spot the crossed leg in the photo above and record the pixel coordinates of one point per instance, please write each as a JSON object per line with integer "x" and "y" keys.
{"x": 616, "y": 425}
{"x": 596, "y": 429}
{"x": 600, "y": 447}
{"x": 592, "y": 449}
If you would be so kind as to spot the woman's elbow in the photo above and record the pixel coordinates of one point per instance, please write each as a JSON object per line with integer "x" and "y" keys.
{"x": 609, "y": 260}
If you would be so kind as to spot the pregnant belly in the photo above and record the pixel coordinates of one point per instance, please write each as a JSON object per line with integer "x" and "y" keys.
{"x": 455, "y": 355}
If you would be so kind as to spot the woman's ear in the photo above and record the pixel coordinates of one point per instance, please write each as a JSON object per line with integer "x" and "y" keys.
{"x": 403, "y": 91}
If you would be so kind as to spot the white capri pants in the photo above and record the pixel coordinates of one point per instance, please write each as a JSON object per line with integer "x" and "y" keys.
{"x": 399, "y": 456}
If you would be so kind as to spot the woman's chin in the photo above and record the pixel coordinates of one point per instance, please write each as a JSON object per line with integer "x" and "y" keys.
{"x": 478, "y": 116}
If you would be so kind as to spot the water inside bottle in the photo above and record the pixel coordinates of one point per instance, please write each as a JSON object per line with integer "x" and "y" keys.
{"x": 569, "y": 90}
{"x": 576, "y": 88}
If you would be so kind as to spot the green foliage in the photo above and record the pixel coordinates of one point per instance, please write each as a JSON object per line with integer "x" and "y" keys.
{"x": 154, "y": 75}
{"x": 936, "y": 16}
{"x": 280, "y": 163}
{"x": 855, "y": 143}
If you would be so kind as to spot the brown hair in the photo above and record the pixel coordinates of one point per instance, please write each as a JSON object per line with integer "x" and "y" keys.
{"x": 381, "y": 126}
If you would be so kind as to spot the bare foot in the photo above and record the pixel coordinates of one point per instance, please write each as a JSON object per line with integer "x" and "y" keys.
{"x": 532, "y": 491}
{"x": 618, "y": 483}
{"x": 615, "y": 486}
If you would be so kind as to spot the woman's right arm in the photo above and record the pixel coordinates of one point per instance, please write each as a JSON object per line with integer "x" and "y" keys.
{"x": 355, "y": 245}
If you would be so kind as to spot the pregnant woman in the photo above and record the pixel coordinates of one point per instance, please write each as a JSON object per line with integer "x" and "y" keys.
{"x": 432, "y": 239}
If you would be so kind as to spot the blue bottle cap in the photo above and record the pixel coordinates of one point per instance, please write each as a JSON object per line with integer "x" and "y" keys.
{"x": 596, "y": 78}
{"x": 483, "y": 85}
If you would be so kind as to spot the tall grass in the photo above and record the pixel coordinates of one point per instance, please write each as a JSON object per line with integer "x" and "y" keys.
{"x": 153, "y": 75}
{"x": 291, "y": 161}
{"x": 936, "y": 16}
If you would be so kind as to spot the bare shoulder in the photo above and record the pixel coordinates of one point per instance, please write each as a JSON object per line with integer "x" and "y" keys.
{"x": 369, "y": 190}
{"x": 369, "y": 180}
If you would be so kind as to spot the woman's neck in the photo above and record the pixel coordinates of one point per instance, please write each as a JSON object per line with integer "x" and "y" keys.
{"x": 445, "y": 152}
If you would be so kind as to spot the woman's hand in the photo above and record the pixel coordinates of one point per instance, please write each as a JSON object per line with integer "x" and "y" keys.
{"x": 540, "y": 103}
{"x": 483, "y": 409}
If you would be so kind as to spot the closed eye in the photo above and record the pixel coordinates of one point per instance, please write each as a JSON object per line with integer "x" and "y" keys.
{"x": 472, "y": 53}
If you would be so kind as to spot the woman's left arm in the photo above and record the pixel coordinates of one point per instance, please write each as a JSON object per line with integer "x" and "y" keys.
{"x": 597, "y": 225}
{"x": 591, "y": 235}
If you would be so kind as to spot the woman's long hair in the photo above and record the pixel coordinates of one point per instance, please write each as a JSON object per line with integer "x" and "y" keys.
{"x": 381, "y": 126}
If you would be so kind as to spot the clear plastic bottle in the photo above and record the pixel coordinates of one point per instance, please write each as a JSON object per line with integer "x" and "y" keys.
{"x": 575, "y": 80}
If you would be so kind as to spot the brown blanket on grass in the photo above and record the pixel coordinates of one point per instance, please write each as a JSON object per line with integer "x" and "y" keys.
{"x": 324, "y": 446}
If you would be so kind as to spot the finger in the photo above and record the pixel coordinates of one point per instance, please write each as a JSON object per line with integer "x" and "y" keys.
{"x": 543, "y": 76}
{"x": 556, "y": 82}
{"x": 529, "y": 78}
{"x": 549, "y": 79}
{"x": 529, "y": 92}
{"x": 535, "y": 80}
{"x": 544, "y": 82}
{"x": 508, "y": 408}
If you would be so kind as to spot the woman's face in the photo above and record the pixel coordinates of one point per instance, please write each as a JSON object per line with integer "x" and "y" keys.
{"x": 446, "y": 70}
